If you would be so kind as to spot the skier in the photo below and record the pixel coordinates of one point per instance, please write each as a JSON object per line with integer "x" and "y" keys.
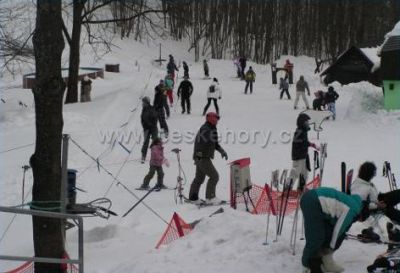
{"x": 185, "y": 69}
{"x": 328, "y": 215}
{"x": 169, "y": 86}
{"x": 330, "y": 98}
{"x": 206, "y": 70}
{"x": 159, "y": 102}
{"x": 205, "y": 144}
{"x": 301, "y": 87}
{"x": 250, "y": 77}
{"x": 185, "y": 90}
{"x": 149, "y": 124}
{"x": 300, "y": 144}
{"x": 242, "y": 61}
{"x": 385, "y": 202}
{"x": 213, "y": 93}
{"x": 157, "y": 159}
{"x": 86, "y": 88}
{"x": 171, "y": 67}
{"x": 284, "y": 86}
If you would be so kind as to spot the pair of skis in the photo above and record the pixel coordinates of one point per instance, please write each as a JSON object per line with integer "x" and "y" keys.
{"x": 346, "y": 178}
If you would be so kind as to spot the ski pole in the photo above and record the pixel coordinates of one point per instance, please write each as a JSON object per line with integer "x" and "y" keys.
{"x": 295, "y": 221}
{"x": 139, "y": 201}
{"x": 285, "y": 207}
{"x": 269, "y": 214}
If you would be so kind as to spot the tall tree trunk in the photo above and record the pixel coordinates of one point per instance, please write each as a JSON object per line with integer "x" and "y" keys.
{"x": 48, "y": 93}
{"x": 73, "y": 70}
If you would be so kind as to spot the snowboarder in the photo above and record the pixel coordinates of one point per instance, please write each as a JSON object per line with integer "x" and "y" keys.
{"x": 185, "y": 70}
{"x": 284, "y": 86}
{"x": 301, "y": 87}
{"x": 300, "y": 144}
{"x": 213, "y": 94}
{"x": 185, "y": 90}
{"x": 169, "y": 86}
{"x": 330, "y": 98}
{"x": 159, "y": 102}
{"x": 86, "y": 88}
{"x": 242, "y": 61}
{"x": 250, "y": 78}
{"x": 157, "y": 159}
{"x": 385, "y": 202}
{"x": 328, "y": 214}
{"x": 149, "y": 123}
{"x": 205, "y": 144}
{"x": 206, "y": 70}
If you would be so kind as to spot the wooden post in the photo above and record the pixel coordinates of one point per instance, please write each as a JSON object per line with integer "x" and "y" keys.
{"x": 64, "y": 173}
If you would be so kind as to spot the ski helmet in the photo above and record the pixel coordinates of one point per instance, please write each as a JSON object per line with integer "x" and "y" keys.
{"x": 212, "y": 118}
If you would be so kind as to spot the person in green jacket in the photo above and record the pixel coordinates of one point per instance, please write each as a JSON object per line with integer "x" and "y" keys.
{"x": 328, "y": 215}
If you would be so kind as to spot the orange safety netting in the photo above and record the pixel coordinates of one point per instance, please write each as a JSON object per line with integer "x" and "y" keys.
{"x": 176, "y": 228}
{"x": 273, "y": 201}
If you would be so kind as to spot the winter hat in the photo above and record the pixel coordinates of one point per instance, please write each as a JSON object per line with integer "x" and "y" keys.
{"x": 301, "y": 119}
{"x": 250, "y": 68}
{"x": 146, "y": 100}
{"x": 330, "y": 88}
{"x": 215, "y": 80}
{"x": 162, "y": 81}
{"x": 212, "y": 118}
{"x": 367, "y": 171}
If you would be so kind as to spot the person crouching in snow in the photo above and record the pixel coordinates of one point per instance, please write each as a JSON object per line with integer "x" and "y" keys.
{"x": 384, "y": 202}
{"x": 328, "y": 215}
{"x": 157, "y": 159}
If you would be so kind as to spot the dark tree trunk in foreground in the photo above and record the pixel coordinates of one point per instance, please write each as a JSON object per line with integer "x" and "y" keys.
{"x": 46, "y": 161}
{"x": 72, "y": 91}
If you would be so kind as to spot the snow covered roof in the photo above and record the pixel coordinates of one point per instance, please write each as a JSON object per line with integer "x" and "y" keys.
{"x": 394, "y": 32}
{"x": 372, "y": 54}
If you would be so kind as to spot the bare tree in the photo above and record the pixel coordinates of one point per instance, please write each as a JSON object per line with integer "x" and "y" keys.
{"x": 48, "y": 94}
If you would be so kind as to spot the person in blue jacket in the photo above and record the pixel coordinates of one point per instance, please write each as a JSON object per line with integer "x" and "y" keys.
{"x": 328, "y": 215}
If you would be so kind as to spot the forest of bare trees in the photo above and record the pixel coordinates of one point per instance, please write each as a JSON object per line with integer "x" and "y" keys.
{"x": 264, "y": 30}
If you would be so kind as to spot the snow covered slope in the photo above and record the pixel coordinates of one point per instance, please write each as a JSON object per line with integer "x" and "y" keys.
{"x": 256, "y": 126}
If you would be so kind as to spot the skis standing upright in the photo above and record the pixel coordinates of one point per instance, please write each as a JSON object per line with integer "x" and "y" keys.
{"x": 323, "y": 155}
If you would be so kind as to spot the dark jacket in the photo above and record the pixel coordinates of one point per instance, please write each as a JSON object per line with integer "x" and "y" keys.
{"x": 331, "y": 96}
{"x": 159, "y": 97}
{"x": 171, "y": 67}
{"x": 242, "y": 62}
{"x": 300, "y": 144}
{"x": 206, "y": 142}
{"x": 148, "y": 117}
{"x": 185, "y": 68}
{"x": 185, "y": 89}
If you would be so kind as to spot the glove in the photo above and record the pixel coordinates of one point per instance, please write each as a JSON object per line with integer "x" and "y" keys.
{"x": 314, "y": 146}
{"x": 224, "y": 155}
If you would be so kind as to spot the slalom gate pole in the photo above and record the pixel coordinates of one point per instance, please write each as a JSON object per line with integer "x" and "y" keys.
{"x": 139, "y": 201}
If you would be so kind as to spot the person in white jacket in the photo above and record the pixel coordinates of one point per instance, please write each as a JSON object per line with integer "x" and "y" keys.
{"x": 213, "y": 94}
{"x": 384, "y": 202}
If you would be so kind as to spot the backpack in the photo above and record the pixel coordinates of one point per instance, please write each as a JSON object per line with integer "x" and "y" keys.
{"x": 212, "y": 88}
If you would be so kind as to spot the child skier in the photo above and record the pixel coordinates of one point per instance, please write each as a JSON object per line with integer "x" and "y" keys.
{"x": 157, "y": 159}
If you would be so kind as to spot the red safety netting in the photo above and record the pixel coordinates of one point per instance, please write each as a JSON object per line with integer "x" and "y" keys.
{"x": 267, "y": 201}
{"x": 176, "y": 228}
{"x": 28, "y": 267}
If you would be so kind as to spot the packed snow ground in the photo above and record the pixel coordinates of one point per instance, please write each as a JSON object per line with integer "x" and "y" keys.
{"x": 227, "y": 242}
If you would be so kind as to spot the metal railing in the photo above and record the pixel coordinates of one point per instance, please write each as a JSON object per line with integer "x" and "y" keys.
{"x": 79, "y": 220}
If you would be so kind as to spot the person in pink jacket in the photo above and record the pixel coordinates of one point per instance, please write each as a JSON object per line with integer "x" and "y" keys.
{"x": 157, "y": 159}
